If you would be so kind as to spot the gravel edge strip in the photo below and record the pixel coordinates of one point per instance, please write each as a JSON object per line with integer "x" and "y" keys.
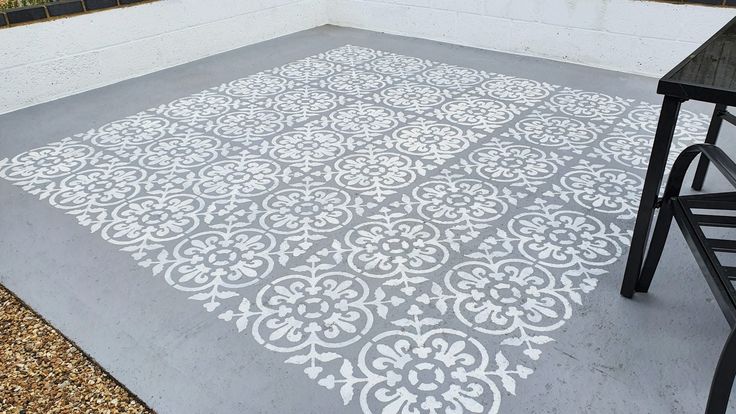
{"x": 42, "y": 371}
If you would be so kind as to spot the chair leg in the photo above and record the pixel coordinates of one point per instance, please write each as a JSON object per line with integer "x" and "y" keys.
{"x": 720, "y": 389}
{"x": 710, "y": 138}
{"x": 656, "y": 246}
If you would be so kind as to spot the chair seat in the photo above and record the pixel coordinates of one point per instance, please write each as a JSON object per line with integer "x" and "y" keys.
{"x": 695, "y": 214}
{"x": 703, "y": 220}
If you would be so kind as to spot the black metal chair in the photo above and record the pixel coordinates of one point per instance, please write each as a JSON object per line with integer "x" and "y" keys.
{"x": 720, "y": 114}
{"x": 693, "y": 213}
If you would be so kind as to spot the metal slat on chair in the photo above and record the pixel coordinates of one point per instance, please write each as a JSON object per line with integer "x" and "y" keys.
{"x": 720, "y": 245}
{"x": 705, "y": 249}
{"x": 713, "y": 202}
{"x": 730, "y": 272}
{"x": 707, "y": 220}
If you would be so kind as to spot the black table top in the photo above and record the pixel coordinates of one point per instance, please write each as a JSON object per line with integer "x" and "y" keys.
{"x": 709, "y": 73}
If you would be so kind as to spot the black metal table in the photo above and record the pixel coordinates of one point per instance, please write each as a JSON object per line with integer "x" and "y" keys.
{"x": 707, "y": 75}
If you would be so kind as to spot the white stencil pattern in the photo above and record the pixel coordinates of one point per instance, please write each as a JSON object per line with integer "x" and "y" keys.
{"x": 409, "y": 233}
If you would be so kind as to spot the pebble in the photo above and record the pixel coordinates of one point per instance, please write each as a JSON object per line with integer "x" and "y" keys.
{"x": 42, "y": 372}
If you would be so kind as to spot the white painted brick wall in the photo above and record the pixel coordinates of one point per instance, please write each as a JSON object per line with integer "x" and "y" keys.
{"x": 632, "y": 36}
{"x": 45, "y": 61}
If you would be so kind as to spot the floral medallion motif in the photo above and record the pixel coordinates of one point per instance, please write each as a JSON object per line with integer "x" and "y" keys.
{"x": 197, "y": 107}
{"x": 363, "y": 119}
{"x": 451, "y": 77}
{"x": 256, "y": 86}
{"x": 180, "y": 152}
{"x": 155, "y": 219}
{"x": 310, "y": 209}
{"x": 309, "y": 147}
{"x": 645, "y": 116}
{"x": 251, "y": 123}
{"x": 351, "y": 55}
{"x": 377, "y": 174}
{"x": 387, "y": 248}
{"x": 500, "y": 298}
{"x": 481, "y": 113}
{"x": 422, "y": 368}
{"x": 429, "y": 373}
{"x": 607, "y": 190}
{"x": 517, "y": 90}
{"x": 521, "y": 165}
{"x": 355, "y": 82}
{"x": 237, "y": 179}
{"x": 454, "y": 200}
{"x": 590, "y": 105}
{"x": 99, "y": 187}
{"x": 141, "y": 129}
{"x": 299, "y": 311}
{"x": 397, "y": 65}
{"x": 225, "y": 260}
{"x": 544, "y": 130}
{"x": 308, "y": 69}
{"x": 628, "y": 148}
{"x": 414, "y": 97}
{"x": 54, "y": 160}
{"x": 305, "y": 102}
{"x": 560, "y": 238}
{"x": 433, "y": 141}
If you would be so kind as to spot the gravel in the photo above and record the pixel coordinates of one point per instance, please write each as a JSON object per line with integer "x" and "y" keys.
{"x": 43, "y": 372}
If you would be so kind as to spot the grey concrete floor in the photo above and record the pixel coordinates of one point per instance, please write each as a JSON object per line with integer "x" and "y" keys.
{"x": 652, "y": 354}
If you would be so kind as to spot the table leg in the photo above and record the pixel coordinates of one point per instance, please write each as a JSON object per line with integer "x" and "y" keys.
{"x": 710, "y": 138}
{"x": 650, "y": 192}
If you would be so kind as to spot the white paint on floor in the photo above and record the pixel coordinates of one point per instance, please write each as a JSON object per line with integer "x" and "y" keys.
{"x": 412, "y": 234}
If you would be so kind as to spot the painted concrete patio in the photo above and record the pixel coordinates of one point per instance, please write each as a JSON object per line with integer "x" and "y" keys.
{"x": 393, "y": 225}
